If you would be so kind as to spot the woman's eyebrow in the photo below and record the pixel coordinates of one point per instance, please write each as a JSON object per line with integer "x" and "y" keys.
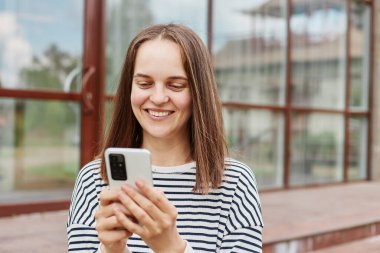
{"x": 178, "y": 77}
{"x": 141, "y": 75}
{"x": 169, "y": 78}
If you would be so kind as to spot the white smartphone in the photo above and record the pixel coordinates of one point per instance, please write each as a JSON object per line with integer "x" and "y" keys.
{"x": 128, "y": 165}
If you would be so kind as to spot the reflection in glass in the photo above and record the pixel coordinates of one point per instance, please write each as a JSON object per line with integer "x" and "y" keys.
{"x": 317, "y": 148}
{"x": 358, "y": 148}
{"x": 360, "y": 54}
{"x": 256, "y": 138}
{"x": 41, "y": 44}
{"x": 126, "y": 18}
{"x": 318, "y": 30}
{"x": 249, "y": 49}
{"x": 39, "y": 149}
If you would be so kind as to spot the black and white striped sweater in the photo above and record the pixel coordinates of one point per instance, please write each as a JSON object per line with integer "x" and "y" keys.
{"x": 227, "y": 219}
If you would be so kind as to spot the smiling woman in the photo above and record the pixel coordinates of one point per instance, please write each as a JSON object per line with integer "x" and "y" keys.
{"x": 201, "y": 200}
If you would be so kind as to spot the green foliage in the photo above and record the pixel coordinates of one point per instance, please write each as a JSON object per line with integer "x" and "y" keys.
{"x": 57, "y": 171}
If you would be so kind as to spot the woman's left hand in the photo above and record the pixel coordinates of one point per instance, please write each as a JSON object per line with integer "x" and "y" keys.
{"x": 156, "y": 217}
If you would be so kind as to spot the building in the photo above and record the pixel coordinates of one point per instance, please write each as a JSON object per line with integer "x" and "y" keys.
{"x": 298, "y": 79}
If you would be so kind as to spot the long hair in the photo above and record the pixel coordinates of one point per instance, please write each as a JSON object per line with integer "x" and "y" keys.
{"x": 206, "y": 131}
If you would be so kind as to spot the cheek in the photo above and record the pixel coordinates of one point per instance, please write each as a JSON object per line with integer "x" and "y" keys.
{"x": 137, "y": 98}
{"x": 186, "y": 105}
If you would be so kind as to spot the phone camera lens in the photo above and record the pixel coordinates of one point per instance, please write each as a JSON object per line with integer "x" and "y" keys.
{"x": 118, "y": 171}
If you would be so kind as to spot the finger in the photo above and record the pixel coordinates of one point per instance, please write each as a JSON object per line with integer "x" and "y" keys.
{"x": 140, "y": 214}
{"x": 128, "y": 224}
{"x": 144, "y": 203}
{"x": 106, "y": 224}
{"x": 108, "y": 196}
{"x": 157, "y": 197}
{"x": 121, "y": 207}
{"x": 104, "y": 212}
{"x": 112, "y": 236}
{"x": 108, "y": 211}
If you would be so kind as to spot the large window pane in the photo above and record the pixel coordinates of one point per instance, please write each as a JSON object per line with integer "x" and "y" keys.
{"x": 249, "y": 48}
{"x": 39, "y": 149}
{"x": 126, "y": 18}
{"x": 256, "y": 138}
{"x": 318, "y": 35}
{"x": 360, "y": 54}
{"x": 317, "y": 148}
{"x": 358, "y": 148}
{"x": 41, "y": 44}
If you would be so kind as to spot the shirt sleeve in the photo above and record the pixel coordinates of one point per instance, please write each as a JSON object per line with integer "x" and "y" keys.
{"x": 244, "y": 227}
{"x": 81, "y": 233}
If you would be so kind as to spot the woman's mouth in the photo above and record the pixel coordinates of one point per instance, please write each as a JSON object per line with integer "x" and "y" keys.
{"x": 159, "y": 113}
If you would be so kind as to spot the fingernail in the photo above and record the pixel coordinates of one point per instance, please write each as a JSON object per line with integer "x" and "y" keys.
{"x": 139, "y": 183}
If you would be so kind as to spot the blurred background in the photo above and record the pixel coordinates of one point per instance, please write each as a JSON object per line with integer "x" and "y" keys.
{"x": 298, "y": 80}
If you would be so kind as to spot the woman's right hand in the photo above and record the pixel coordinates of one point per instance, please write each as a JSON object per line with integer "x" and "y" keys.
{"x": 111, "y": 233}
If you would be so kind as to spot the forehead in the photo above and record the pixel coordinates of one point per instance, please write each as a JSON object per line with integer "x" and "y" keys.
{"x": 160, "y": 43}
{"x": 159, "y": 55}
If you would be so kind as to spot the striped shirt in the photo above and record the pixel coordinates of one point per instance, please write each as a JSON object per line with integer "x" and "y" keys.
{"x": 227, "y": 219}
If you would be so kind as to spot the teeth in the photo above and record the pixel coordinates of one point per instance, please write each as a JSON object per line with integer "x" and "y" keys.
{"x": 158, "y": 114}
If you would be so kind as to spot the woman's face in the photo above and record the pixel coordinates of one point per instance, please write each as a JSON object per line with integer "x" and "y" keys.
{"x": 160, "y": 97}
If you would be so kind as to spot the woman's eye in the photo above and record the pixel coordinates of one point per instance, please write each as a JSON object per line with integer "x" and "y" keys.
{"x": 176, "y": 86}
{"x": 144, "y": 85}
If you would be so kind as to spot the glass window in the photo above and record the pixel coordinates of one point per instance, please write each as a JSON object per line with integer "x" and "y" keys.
{"x": 318, "y": 35}
{"x": 126, "y": 18}
{"x": 317, "y": 148}
{"x": 39, "y": 149}
{"x": 360, "y": 54}
{"x": 358, "y": 148}
{"x": 249, "y": 49}
{"x": 257, "y": 138}
{"x": 41, "y": 44}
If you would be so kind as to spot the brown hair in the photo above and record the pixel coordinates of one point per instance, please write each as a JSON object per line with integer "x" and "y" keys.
{"x": 206, "y": 131}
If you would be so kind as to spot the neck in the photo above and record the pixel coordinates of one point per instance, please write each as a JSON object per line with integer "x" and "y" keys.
{"x": 168, "y": 152}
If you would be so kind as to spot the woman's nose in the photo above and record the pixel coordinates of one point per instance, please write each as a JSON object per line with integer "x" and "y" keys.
{"x": 159, "y": 95}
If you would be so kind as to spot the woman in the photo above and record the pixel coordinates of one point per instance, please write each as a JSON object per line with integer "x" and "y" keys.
{"x": 167, "y": 102}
